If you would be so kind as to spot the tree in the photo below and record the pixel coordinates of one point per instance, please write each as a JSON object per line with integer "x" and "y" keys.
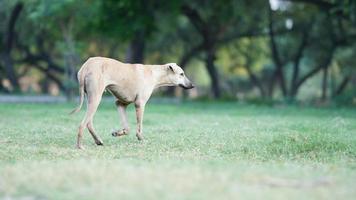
{"x": 8, "y": 44}
{"x": 217, "y": 23}
{"x": 317, "y": 43}
{"x": 249, "y": 56}
{"x": 341, "y": 21}
{"x": 134, "y": 21}
{"x": 70, "y": 17}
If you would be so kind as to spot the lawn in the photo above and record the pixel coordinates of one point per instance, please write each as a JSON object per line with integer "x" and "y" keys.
{"x": 191, "y": 151}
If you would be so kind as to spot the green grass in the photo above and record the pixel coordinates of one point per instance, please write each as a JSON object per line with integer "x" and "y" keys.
{"x": 190, "y": 151}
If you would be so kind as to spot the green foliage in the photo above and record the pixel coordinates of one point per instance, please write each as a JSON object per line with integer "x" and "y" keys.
{"x": 247, "y": 51}
{"x": 237, "y": 30}
{"x": 54, "y": 14}
{"x": 125, "y": 18}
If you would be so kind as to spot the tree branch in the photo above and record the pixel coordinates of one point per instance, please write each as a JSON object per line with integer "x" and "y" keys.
{"x": 317, "y": 69}
{"x": 189, "y": 54}
{"x": 10, "y": 33}
{"x": 342, "y": 86}
{"x": 298, "y": 57}
{"x": 42, "y": 56}
{"x": 34, "y": 60}
{"x": 48, "y": 73}
{"x": 195, "y": 18}
{"x": 275, "y": 54}
{"x": 254, "y": 79}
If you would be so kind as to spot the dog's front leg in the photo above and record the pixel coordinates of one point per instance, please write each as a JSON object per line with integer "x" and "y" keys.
{"x": 140, "y": 108}
{"x": 124, "y": 123}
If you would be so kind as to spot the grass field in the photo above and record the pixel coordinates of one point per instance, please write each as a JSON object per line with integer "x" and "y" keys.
{"x": 191, "y": 151}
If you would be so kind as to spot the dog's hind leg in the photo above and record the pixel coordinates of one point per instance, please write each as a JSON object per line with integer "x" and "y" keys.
{"x": 80, "y": 135}
{"x": 123, "y": 118}
{"x": 94, "y": 94}
{"x": 96, "y": 138}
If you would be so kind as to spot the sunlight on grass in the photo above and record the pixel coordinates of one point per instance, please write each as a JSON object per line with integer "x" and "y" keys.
{"x": 190, "y": 151}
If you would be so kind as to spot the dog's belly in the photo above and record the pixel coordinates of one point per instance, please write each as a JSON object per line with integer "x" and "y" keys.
{"x": 122, "y": 94}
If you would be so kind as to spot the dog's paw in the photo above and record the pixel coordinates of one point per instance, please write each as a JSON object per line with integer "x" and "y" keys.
{"x": 139, "y": 137}
{"x": 119, "y": 133}
{"x": 99, "y": 142}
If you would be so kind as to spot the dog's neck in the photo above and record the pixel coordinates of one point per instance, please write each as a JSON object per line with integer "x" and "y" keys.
{"x": 159, "y": 75}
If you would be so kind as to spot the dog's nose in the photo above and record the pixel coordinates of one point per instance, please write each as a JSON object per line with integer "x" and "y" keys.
{"x": 191, "y": 86}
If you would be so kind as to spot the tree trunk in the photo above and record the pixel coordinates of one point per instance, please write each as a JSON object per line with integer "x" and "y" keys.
{"x": 271, "y": 85}
{"x": 71, "y": 59}
{"x": 2, "y": 88}
{"x": 10, "y": 71}
{"x": 135, "y": 52}
{"x": 297, "y": 60}
{"x": 279, "y": 75}
{"x": 45, "y": 86}
{"x": 342, "y": 86}
{"x": 314, "y": 71}
{"x": 324, "y": 84}
{"x": 282, "y": 82}
{"x": 8, "y": 44}
{"x": 254, "y": 79}
{"x": 214, "y": 77}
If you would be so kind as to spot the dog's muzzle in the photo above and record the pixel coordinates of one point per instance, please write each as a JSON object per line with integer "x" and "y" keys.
{"x": 190, "y": 86}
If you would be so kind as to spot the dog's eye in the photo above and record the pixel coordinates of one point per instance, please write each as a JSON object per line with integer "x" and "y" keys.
{"x": 182, "y": 74}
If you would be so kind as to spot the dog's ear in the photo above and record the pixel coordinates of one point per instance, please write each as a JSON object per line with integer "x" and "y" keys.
{"x": 170, "y": 68}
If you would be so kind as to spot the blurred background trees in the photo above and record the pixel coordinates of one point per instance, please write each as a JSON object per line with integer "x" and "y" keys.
{"x": 294, "y": 50}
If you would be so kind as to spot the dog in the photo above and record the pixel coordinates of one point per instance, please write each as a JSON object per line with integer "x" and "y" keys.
{"x": 128, "y": 83}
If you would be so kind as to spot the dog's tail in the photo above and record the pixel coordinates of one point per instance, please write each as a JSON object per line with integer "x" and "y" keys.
{"x": 81, "y": 92}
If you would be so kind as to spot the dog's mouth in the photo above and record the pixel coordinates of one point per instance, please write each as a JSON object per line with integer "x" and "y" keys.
{"x": 186, "y": 87}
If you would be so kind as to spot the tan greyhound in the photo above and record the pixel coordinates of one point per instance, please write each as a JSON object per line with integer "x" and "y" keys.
{"x": 129, "y": 83}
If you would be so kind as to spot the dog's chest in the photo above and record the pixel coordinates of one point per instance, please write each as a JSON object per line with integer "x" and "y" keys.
{"x": 125, "y": 95}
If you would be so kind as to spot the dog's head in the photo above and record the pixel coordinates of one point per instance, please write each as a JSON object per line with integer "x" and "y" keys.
{"x": 177, "y": 77}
